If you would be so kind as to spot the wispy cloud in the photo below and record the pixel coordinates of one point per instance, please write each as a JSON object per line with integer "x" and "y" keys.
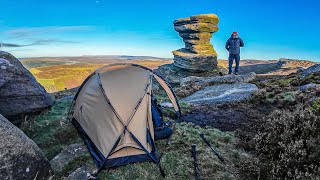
{"x": 34, "y": 36}
{"x": 33, "y": 31}
{"x": 11, "y": 45}
{"x": 35, "y": 43}
{"x": 49, "y": 41}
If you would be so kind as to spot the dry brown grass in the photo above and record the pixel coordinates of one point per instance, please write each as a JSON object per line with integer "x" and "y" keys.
{"x": 59, "y": 77}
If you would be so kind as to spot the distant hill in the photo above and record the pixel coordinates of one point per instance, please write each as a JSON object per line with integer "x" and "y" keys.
{"x": 59, "y": 73}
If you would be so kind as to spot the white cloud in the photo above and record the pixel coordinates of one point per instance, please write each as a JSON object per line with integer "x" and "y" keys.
{"x": 32, "y": 31}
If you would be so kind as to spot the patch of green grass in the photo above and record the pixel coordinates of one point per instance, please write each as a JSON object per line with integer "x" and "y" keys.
{"x": 50, "y": 131}
{"x": 282, "y": 82}
{"x": 315, "y": 106}
{"x": 311, "y": 78}
{"x": 184, "y": 107}
{"x": 71, "y": 166}
{"x": 177, "y": 161}
{"x": 288, "y": 96}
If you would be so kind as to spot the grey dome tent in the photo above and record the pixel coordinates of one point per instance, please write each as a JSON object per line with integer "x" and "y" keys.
{"x": 112, "y": 113}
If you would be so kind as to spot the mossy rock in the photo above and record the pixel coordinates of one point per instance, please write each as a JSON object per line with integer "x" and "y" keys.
{"x": 201, "y": 49}
{"x": 206, "y": 18}
{"x": 182, "y": 21}
{"x": 186, "y": 53}
{"x": 196, "y": 27}
{"x": 201, "y": 18}
{"x": 196, "y": 36}
{"x": 196, "y": 41}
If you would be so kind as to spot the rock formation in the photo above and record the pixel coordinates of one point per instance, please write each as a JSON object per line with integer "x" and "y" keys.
{"x": 222, "y": 94}
{"x": 196, "y": 31}
{"x": 310, "y": 70}
{"x": 198, "y": 57}
{"x": 20, "y": 157}
{"x": 20, "y": 93}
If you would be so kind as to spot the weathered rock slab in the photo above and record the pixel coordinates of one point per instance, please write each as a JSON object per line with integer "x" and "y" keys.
{"x": 201, "y": 18}
{"x": 222, "y": 94}
{"x": 82, "y": 173}
{"x": 67, "y": 155}
{"x": 174, "y": 74}
{"x": 195, "y": 62}
{"x": 20, "y": 157}
{"x": 20, "y": 93}
{"x": 192, "y": 84}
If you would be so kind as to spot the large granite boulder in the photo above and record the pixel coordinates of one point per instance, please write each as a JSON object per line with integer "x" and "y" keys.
{"x": 196, "y": 31}
{"x": 20, "y": 93}
{"x": 20, "y": 157}
{"x": 221, "y": 94}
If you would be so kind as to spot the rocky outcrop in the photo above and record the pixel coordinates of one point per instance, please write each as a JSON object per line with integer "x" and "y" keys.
{"x": 196, "y": 31}
{"x": 294, "y": 63}
{"x": 20, "y": 157}
{"x": 222, "y": 94}
{"x": 20, "y": 93}
{"x": 192, "y": 84}
{"x": 67, "y": 155}
{"x": 310, "y": 70}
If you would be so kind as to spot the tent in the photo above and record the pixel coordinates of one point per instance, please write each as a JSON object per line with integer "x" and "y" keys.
{"x": 113, "y": 114}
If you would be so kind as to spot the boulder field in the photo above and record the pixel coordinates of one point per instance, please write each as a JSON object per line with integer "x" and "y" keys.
{"x": 20, "y": 93}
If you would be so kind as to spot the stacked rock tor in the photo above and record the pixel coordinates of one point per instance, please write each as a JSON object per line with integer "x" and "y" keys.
{"x": 198, "y": 54}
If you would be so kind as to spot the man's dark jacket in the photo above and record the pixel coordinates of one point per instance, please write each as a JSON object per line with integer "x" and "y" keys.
{"x": 233, "y": 45}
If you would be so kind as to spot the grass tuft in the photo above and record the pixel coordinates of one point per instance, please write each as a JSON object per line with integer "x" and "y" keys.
{"x": 49, "y": 130}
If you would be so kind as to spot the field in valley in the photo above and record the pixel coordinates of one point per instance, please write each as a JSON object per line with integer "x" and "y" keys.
{"x": 57, "y": 74}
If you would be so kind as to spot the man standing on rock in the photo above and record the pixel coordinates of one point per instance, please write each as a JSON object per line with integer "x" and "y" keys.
{"x": 233, "y": 45}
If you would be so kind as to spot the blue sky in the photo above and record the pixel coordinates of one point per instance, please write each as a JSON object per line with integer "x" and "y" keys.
{"x": 271, "y": 29}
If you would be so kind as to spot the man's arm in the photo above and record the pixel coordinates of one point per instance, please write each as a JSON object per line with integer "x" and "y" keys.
{"x": 241, "y": 43}
{"x": 227, "y": 45}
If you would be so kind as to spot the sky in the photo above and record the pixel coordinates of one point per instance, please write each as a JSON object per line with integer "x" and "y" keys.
{"x": 271, "y": 29}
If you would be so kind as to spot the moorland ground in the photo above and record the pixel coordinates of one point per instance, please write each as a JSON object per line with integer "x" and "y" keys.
{"x": 273, "y": 135}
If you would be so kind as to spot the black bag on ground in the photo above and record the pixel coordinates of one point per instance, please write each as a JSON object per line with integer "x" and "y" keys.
{"x": 161, "y": 131}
